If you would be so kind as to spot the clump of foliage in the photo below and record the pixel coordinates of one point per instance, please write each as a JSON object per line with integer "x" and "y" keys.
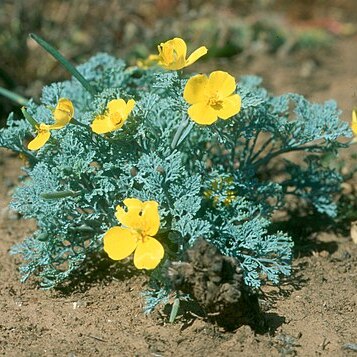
{"x": 146, "y": 147}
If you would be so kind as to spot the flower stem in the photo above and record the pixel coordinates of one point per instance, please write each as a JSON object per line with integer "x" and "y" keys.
{"x": 16, "y": 98}
{"x": 29, "y": 118}
{"x": 59, "y": 194}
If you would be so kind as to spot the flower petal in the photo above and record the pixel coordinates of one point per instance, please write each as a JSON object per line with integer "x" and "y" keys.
{"x": 230, "y": 106}
{"x": 148, "y": 253}
{"x": 221, "y": 83}
{"x": 141, "y": 216}
{"x": 354, "y": 122}
{"x": 195, "y": 55}
{"x": 130, "y": 218}
{"x": 120, "y": 242}
{"x": 63, "y": 113}
{"x": 172, "y": 54}
{"x": 202, "y": 113}
{"x": 151, "y": 217}
{"x": 153, "y": 57}
{"x": 102, "y": 124}
{"x": 195, "y": 90}
{"x": 179, "y": 46}
{"x": 133, "y": 204}
{"x": 150, "y": 61}
{"x": 117, "y": 106}
{"x": 118, "y": 111}
{"x": 41, "y": 139}
{"x": 130, "y": 106}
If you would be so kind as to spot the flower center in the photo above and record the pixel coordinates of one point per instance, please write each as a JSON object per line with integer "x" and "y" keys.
{"x": 215, "y": 102}
{"x": 143, "y": 237}
{"x": 116, "y": 118}
{"x": 42, "y": 128}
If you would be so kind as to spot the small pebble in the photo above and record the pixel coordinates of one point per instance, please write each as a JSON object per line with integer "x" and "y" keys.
{"x": 7, "y": 213}
{"x": 78, "y": 304}
{"x": 324, "y": 254}
{"x": 350, "y": 346}
{"x": 354, "y": 232}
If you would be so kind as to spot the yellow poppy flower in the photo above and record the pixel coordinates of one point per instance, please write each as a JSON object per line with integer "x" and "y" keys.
{"x": 116, "y": 114}
{"x": 211, "y": 98}
{"x": 62, "y": 114}
{"x": 172, "y": 54}
{"x": 140, "y": 223}
{"x": 354, "y": 122}
{"x": 150, "y": 61}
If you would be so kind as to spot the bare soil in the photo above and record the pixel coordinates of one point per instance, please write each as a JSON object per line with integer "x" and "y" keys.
{"x": 101, "y": 313}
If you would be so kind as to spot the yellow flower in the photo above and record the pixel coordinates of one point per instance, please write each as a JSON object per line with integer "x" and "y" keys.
{"x": 150, "y": 61}
{"x": 62, "y": 114}
{"x": 141, "y": 222}
{"x": 116, "y": 114}
{"x": 211, "y": 98}
{"x": 354, "y": 122}
{"x": 172, "y": 54}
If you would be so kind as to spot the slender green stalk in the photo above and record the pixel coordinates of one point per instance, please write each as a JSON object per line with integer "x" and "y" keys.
{"x": 59, "y": 194}
{"x": 82, "y": 228}
{"x": 29, "y": 118}
{"x": 174, "y": 310}
{"x": 270, "y": 156}
{"x": 16, "y": 98}
{"x": 64, "y": 62}
{"x": 76, "y": 122}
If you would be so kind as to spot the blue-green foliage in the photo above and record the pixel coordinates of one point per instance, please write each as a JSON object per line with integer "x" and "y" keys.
{"x": 217, "y": 181}
{"x": 242, "y": 233}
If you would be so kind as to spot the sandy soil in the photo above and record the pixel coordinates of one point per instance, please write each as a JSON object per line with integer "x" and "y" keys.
{"x": 313, "y": 314}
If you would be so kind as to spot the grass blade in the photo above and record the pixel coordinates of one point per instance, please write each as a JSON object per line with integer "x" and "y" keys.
{"x": 29, "y": 118}
{"x": 16, "y": 98}
{"x": 64, "y": 62}
{"x": 174, "y": 310}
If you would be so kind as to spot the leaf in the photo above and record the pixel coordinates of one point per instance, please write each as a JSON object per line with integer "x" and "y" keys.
{"x": 64, "y": 62}
{"x": 16, "y": 98}
{"x": 29, "y": 118}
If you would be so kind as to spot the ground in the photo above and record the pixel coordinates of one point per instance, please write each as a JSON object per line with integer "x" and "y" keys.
{"x": 315, "y": 313}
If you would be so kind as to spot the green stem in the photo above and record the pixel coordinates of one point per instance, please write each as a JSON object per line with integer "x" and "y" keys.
{"x": 82, "y": 228}
{"x": 16, "y": 98}
{"x": 270, "y": 156}
{"x": 252, "y": 147}
{"x": 174, "y": 310}
{"x": 29, "y": 118}
{"x": 32, "y": 158}
{"x": 263, "y": 147}
{"x": 64, "y": 62}
{"x": 59, "y": 194}
{"x": 76, "y": 122}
